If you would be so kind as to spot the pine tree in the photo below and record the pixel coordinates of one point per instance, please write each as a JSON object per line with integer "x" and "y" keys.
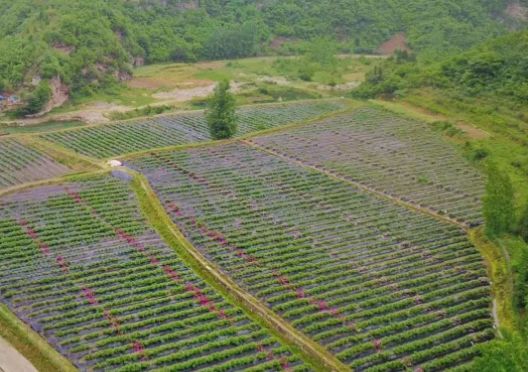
{"x": 221, "y": 115}
{"x": 523, "y": 225}
{"x": 498, "y": 203}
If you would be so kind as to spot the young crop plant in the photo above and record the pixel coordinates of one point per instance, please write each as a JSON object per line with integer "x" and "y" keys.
{"x": 400, "y": 158}
{"x": 380, "y": 286}
{"x": 105, "y": 141}
{"x": 20, "y": 164}
{"x": 81, "y": 266}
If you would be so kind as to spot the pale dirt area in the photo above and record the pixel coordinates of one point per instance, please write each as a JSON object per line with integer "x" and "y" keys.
{"x": 184, "y": 95}
{"x": 397, "y": 42}
{"x": 517, "y": 11}
{"x": 473, "y": 132}
{"x": 12, "y": 361}
{"x": 90, "y": 114}
{"x": 470, "y": 130}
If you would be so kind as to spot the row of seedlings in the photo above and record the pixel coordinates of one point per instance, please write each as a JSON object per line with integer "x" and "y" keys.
{"x": 380, "y": 286}
{"x": 390, "y": 154}
{"x": 20, "y": 164}
{"x": 80, "y": 265}
{"x": 109, "y": 140}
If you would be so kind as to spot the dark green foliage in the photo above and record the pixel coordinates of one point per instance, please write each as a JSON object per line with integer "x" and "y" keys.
{"x": 496, "y": 68}
{"x": 221, "y": 114}
{"x": 503, "y": 355}
{"x": 520, "y": 268}
{"x": 235, "y": 42}
{"x": 89, "y": 43}
{"x": 36, "y": 101}
{"x": 498, "y": 203}
{"x": 523, "y": 225}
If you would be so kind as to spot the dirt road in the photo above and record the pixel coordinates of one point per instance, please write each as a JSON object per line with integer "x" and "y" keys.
{"x": 12, "y": 361}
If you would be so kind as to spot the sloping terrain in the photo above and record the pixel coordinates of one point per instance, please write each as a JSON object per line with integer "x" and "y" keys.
{"x": 81, "y": 266}
{"x": 116, "y": 139}
{"x": 380, "y": 286}
{"x": 391, "y": 154}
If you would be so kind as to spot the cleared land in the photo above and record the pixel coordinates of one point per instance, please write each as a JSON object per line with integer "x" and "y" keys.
{"x": 391, "y": 154}
{"x": 109, "y": 140}
{"x": 79, "y": 263}
{"x": 382, "y": 287}
{"x": 20, "y": 164}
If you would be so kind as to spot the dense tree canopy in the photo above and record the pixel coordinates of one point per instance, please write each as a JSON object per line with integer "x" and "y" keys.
{"x": 88, "y": 42}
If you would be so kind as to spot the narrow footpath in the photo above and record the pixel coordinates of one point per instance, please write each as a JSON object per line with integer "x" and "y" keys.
{"x": 12, "y": 361}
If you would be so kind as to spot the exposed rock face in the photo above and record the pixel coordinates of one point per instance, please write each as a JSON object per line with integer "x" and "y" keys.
{"x": 517, "y": 11}
{"x": 395, "y": 43}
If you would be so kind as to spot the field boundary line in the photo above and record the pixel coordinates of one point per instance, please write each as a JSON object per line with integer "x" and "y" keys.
{"x": 31, "y": 345}
{"x": 351, "y": 105}
{"x": 358, "y": 185}
{"x": 501, "y": 280}
{"x": 308, "y": 349}
{"x": 173, "y": 113}
{"x": 52, "y": 181}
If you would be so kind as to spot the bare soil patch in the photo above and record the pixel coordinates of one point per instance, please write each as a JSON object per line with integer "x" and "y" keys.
{"x": 517, "y": 11}
{"x": 395, "y": 43}
{"x": 473, "y": 132}
{"x": 184, "y": 95}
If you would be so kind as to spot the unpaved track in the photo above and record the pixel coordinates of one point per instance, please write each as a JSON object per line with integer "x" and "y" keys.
{"x": 12, "y": 361}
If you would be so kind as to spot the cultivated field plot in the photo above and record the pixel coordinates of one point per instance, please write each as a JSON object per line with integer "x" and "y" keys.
{"x": 121, "y": 138}
{"x": 20, "y": 164}
{"x": 391, "y": 154}
{"x": 380, "y": 286}
{"x": 79, "y": 264}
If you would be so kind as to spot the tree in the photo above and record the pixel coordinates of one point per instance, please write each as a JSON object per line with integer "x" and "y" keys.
{"x": 37, "y": 100}
{"x": 498, "y": 202}
{"x": 523, "y": 225}
{"x": 221, "y": 116}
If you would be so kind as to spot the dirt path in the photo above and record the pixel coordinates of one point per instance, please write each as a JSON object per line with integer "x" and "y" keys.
{"x": 12, "y": 361}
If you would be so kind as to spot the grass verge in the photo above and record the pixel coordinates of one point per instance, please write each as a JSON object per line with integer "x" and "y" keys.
{"x": 501, "y": 279}
{"x": 31, "y": 345}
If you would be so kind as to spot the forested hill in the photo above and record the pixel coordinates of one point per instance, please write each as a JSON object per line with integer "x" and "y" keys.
{"x": 495, "y": 69}
{"x": 86, "y": 43}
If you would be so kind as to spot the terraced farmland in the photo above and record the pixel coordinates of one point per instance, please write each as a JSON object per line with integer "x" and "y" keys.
{"x": 109, "y": 140}
{"x": 81, "y": 266}
{"x": 382, "y": 287}
{"x": 397, "y": 156}
{"x": 20, "y": 164}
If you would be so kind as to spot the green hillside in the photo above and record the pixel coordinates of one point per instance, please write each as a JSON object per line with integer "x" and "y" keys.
{"x": 91, "y": 43}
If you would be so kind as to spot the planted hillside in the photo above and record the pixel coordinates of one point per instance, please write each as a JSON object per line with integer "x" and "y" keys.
{"x": 390, "y": 154}
{"x": 382, "y": 287}
{"x": 20, "y": 164}
{"x": 82, "y": 267}
{"x": 108, "y": 140}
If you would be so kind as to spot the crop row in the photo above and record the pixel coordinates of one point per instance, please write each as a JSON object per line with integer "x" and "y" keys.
{"x": 400, "y": 157}
{"x": 380, "y": 286}
{"x": 125, "y": 137}
{"x": 20, "y": 164}
{"x": 79, "y": 264}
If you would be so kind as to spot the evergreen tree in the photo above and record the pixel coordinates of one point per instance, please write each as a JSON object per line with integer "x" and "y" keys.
{"x": 221, "y": 116}
{"x": 498, "y": 203}
{"x": 523, "y": 225}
